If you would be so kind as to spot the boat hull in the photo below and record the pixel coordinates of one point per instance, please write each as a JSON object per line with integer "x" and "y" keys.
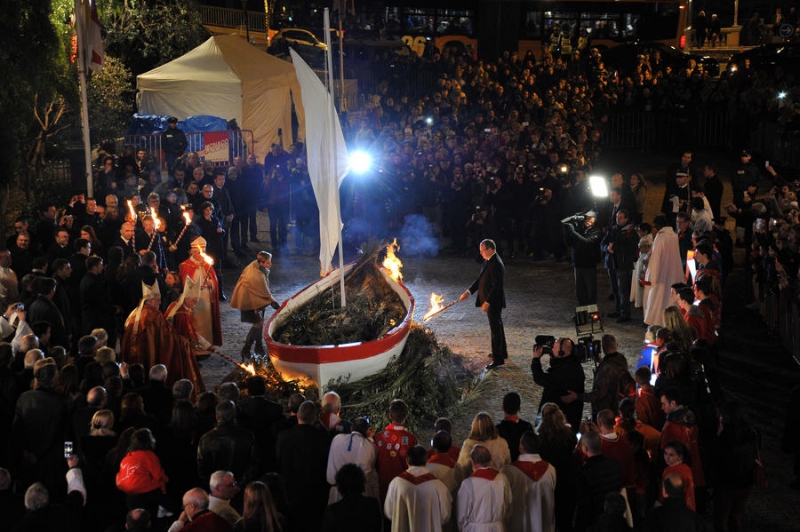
{"x": 323, "y": 363}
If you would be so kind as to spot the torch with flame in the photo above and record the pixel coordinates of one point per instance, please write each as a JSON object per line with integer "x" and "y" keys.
{"x": 156, "y": 226}
{"x": 188, "y": 220}
{"x": 132, "y": 211}
{"x": 436, "y": 306}
{"x": 392, "y": 263}
{"x": 207, "y": 258}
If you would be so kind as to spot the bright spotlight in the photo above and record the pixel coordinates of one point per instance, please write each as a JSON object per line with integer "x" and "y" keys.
{"x": 599, "y": 186}
{"x": 360, "y": 162}
{"x": 429, "y": 121}
{"x": 782, "y": 95}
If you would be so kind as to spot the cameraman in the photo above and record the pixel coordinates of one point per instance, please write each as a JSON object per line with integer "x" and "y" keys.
{"x": 606, "y": 379}
{"x": 565, "y": 373}
{"x": 585, "y": 241}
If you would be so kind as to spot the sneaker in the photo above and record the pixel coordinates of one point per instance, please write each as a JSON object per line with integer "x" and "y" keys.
{"x": 494, "y": 365}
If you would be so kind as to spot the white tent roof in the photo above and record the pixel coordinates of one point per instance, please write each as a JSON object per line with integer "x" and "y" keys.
{"x": 229, "y": 78}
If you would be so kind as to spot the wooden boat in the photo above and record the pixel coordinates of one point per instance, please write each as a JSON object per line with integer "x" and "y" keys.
{"x": 352, "y": 361}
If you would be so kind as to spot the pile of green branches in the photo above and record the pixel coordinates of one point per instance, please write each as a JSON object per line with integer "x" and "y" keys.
{"x": 426, "y": 375}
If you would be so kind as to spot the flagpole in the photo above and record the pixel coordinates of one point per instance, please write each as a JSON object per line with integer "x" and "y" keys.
{"x": 82, "y": 10}
{"x": 332, "y": 110}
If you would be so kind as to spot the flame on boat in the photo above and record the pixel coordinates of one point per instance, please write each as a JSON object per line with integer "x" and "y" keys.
{"x": 392, "y": 263}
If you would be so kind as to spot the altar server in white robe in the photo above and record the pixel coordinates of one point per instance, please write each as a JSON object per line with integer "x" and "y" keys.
{"x": 663, "y": 270}
{"x": 533, "y": 484}
{"x": 416, "y": 500}
{"x": 484, "y": 499}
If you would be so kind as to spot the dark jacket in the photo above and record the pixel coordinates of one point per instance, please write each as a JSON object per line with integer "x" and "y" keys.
{"x": 606, "y": 379}
{"x": 598, "y": 476}
{"x": 585, "y": 245}
{"x": 564, "y": 374}
{"x": 302, "y": 453}
{"x": 227, "y": 447}
{"x": 489, "y": 283}
{"x": 674, "y": 515}
{"x": 43, "y": 309}
{"x": 625, "y": 242}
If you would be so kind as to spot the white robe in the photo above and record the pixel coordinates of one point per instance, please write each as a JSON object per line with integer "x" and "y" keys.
{"x": 352, "y": 448}
{"x": 451, "y": 477}
{"x": 663, "y": 270}
{"x": 423, "y": 507}
{"x": 533, "y": 506}
{"x": 637, "y": 290}
{"x": 484, "y": 505}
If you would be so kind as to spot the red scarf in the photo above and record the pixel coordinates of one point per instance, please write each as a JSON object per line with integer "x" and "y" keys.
{"x": 442, "y": 459}
{"x": 405, "y": 475}
{"x": 487, "y": 473}
{"x": 534, "y": 470}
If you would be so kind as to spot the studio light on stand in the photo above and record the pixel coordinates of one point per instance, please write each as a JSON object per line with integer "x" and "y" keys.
{"x": 587, "y": 323}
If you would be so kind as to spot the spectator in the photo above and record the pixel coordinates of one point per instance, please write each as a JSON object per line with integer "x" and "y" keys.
{"x": 354, "y": 511}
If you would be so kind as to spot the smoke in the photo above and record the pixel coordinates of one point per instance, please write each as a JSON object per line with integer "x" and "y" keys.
{"x": 418, "y": 236}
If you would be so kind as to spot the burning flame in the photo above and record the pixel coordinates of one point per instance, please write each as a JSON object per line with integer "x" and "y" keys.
{"x": 156, "y": 223}
{"x": 187, "y": 217}
{"x": 249, "y": 368}
{"x": 392, "y": 263}
{"x": 131, "y": 210}
{"x": 436, "y": 305}
{"x": 206, "y": 258}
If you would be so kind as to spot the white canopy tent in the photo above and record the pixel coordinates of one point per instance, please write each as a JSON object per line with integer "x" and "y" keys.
{"x": 229, "y": 78}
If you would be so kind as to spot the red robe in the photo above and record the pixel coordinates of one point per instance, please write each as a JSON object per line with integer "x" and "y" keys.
{"x": 153, "y": 341}
{"x": 208, "y": 284}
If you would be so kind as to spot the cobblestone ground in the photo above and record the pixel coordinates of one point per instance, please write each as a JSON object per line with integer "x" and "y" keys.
{"x": 540, "y": 298}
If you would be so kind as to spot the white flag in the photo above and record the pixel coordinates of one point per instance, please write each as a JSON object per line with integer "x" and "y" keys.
{"x": 327, "y": 156}
{"x": 87, "y": 28}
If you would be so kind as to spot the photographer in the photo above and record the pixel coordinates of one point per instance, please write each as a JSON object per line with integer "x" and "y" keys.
{"x": 565, "y": 373}
{"x": 584, "y": 238}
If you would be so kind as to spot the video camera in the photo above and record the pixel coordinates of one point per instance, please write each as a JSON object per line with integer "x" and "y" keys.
{"x": 546, "y": 342}
{"x": 576, "y": 219}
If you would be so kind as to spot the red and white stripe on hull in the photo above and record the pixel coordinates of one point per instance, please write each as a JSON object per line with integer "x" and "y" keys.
{"x": 321, "y": 363}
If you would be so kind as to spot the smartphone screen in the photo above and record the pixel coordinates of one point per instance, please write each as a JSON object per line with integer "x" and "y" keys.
{"x": 67, "y": 449}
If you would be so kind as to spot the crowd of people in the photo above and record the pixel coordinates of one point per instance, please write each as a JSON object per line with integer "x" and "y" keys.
{"x": 505, "y": 156}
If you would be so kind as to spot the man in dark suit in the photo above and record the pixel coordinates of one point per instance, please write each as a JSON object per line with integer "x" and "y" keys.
{"x": 492, "y": 299}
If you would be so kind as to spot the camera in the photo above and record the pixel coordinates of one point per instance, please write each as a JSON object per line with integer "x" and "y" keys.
{"x": 540, "y": 197}
{"x": 574, "y": 219}
{"x": 546, "y": 342}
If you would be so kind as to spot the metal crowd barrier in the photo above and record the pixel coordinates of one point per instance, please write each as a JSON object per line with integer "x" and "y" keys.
{"x": 240, "y": 143}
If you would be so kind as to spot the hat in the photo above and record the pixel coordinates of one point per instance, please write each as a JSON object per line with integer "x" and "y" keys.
{"x": 199, "y": 242}
{"x": 151, "y": 291}
{"x": 153, "y": 196}
{"x": 191, "y": 288}
{"x": 746, "y": 153}
{"x": 590, "y": 214}
{"x": 172, "y": 120}
{"x": 681, "y": 174}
